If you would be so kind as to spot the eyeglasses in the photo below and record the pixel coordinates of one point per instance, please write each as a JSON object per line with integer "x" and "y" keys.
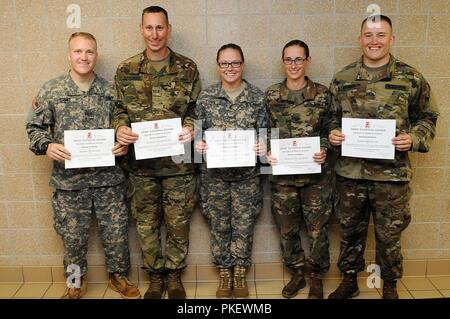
{"x": 234, "y": 64}
{"x": 297, "y": 61}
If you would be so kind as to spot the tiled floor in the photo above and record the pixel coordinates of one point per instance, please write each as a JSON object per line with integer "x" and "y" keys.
{"x": 408, "y": 287}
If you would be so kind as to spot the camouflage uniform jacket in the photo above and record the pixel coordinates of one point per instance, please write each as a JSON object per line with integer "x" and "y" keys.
{"x": 217, "y": 112}
{"x": 148, "y": 95}
{"x": 299, "y": 117}
{"x": 399, "y": 93}
{"x": 63, "y": 106}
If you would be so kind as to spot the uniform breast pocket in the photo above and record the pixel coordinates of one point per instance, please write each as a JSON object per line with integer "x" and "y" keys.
{"x": 69, "y": 115}
{"x": 391, "y": 99}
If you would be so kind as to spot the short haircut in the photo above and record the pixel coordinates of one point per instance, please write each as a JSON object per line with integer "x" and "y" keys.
{"x": 155, "y": 9}
{"x": 377, "y": 17}
{"x": 230, "y": 46}
{"x": 299, "y": 43}
{"x": 85, "y": 35}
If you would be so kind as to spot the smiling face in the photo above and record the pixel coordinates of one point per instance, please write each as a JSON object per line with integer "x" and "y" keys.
{"x": 156, "y": 32}
{"x": 231, "y": 77}
{"x": 82, "y": 57}
{"x": 375, "y": 41}
{"x": 294, "y": 71}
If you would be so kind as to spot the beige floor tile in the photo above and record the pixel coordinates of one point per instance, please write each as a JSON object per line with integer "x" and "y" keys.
{"x": 271, "y": 287}
{"x": 446, "y": 293}
{"x": 438, "y": 267}
{"x": 272, "y": 271}
{"x": 95, "y": 290}
{"x": 37, "y": 274}
{"x": 8, "y": 290}
{"x": 32, "y": 290}
{"x": 330, "y": 285}
{"x": 279, "y": 296}
{"x": 441, "y": 283}
{"x": 205, "y": 289}
{"x": 58, "y": 274}
{"x": 207, "y": 273}
{"x": 404, "y": 295}
{"x": 414, "y": 268}
{"x": 97, "y": 274}
{"x": 56, "y": 290}
{"x": 207, "y": 297}
{"x": 190, "y": 274}
{"x": 302, "y": 295}
{"x": 11, "y": 274}
{"x": 417, "y": 283}
{"x": 368, "y": 295}
{"x": 111, "y": 294}
{"x": 426, "y": 294}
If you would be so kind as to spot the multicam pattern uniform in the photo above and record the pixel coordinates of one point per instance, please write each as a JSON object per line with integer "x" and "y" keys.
{"x": 63, "y": 106}
{"x": 231, "y": 197}
{"x": 292, "y": 195}
{"x": 161, "y": 184}
{"x": 382, "y": 186}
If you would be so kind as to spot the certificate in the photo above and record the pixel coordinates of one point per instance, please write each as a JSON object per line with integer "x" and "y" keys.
{"x": 89, "y": 148}
{"x": 368, "y": 138}
{"x": 295, "y": 155}
{"x": 231, "y": 148}
{"x": 157, "y": 138}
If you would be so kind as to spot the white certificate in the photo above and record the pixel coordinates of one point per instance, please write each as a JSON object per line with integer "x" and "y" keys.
{"x": 368, "y": 138}
{"x": 89, "y": 148}
{"x": 157, "y": 138}
{"x": 295, "y": 155}
{"x": 233, "y": 148}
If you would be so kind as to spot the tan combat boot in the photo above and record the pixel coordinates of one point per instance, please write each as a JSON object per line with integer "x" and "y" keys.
{"x": 175, "y": 287}
{"x": 75, "y": 293}
{"x": 119, "y": 283}
{"x": 240, "y": 288}
{"x": 225, "y": 289}
{"x": 156, "y": 287}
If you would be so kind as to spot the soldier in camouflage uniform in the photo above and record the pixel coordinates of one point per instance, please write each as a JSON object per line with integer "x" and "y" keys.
{"x": 299, "y": 107}
{"x": 231, "y": 197}
{"x": 82, "y": 100}
{"x": 378, "y": 86}
{"x": 159, "y": 84}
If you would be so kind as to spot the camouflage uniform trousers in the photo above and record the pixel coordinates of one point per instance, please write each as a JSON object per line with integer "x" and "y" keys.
{"x": 389, "y": 204}
{"x": 314, "y": 200}
{"x": 72, "y": 219}
{"x": 155, "y": 200}
{"x": 231, "y": 209}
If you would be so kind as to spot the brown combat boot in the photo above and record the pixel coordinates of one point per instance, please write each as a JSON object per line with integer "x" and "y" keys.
{"x": 390, "y": 290}
{"x": 316, "y": 287}
{"x": 175, "y": 287}
{"x": 75, "y": 293}
{"x": 156, "y": 287}
{"x": 225, "y": 289}
{"x": 347, "y": 289}
{"x": 296, "y": 283}
{"x": 240, "y": 288}
{"x": 119, "y": 283}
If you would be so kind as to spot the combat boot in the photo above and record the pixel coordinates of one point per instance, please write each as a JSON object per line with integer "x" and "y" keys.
{"x": 156, "y": 288}
{"x": 316, "y": 287}
{"x": 240, "y": 287}
{"x": 296, "y": 283}
{"x": 119, "y": 283}
{"x": 75, "y": 293}
{"x": 347, "y": 289}
{"x": 225, "y": 289}
{"x": 175, "y": 287}
{"x": 390, "y": 290}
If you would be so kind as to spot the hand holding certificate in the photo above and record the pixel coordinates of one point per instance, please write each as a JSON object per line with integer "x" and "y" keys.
{"x": 233, "y": 148}
{"x": 89, "y": 148}
{"x": 295, "y": 155}
{"x": 157, "y": 138}
{"x": 368, "y": 138}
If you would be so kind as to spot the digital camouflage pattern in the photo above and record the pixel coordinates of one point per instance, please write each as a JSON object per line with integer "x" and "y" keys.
{"x": 147, "y": 95}
{"x": 400, "y": 93}
{"x": 389, "y": 204}
{"x": 231, "y": 209}
{"x": 217, "y": 112}
{"x": 231, "y": 197}
{"x": 153, "y": 200}
{"x": 63, "y": 106}
{"x": 298, "y": 199}
{"x": 72, "y": 211}
{"x": 299, "y": 116}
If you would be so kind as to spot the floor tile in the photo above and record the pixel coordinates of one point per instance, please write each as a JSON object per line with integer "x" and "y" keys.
{"x": 417, "y": 283}
{"x": 270, "y": 287}
{"x": 55, "y": 291}
{"x": 279, "y": 296}
{"x": 446, "y": 293}
{"x": 368, "y": 295}
{"x": 426, "y": 294}
{"x": 330, "y": 285}
{"x": 205, "y": 289}
{"x": 404, "y": 295}
{"x": 32, "y": 290}
{"x": 441, "y": 283}
{"x": 95, "y": 291}
{"x": 9, "y": 290}
{"x": 438, "y": 267}
{"x": 364, "y": 287}
{"x": 11, "y": 274}
{"x": 37, "y": 274}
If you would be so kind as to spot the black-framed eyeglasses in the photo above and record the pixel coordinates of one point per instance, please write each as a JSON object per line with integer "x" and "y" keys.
{"x": 234, "y": 64}
{"x": 297, "y": 61}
